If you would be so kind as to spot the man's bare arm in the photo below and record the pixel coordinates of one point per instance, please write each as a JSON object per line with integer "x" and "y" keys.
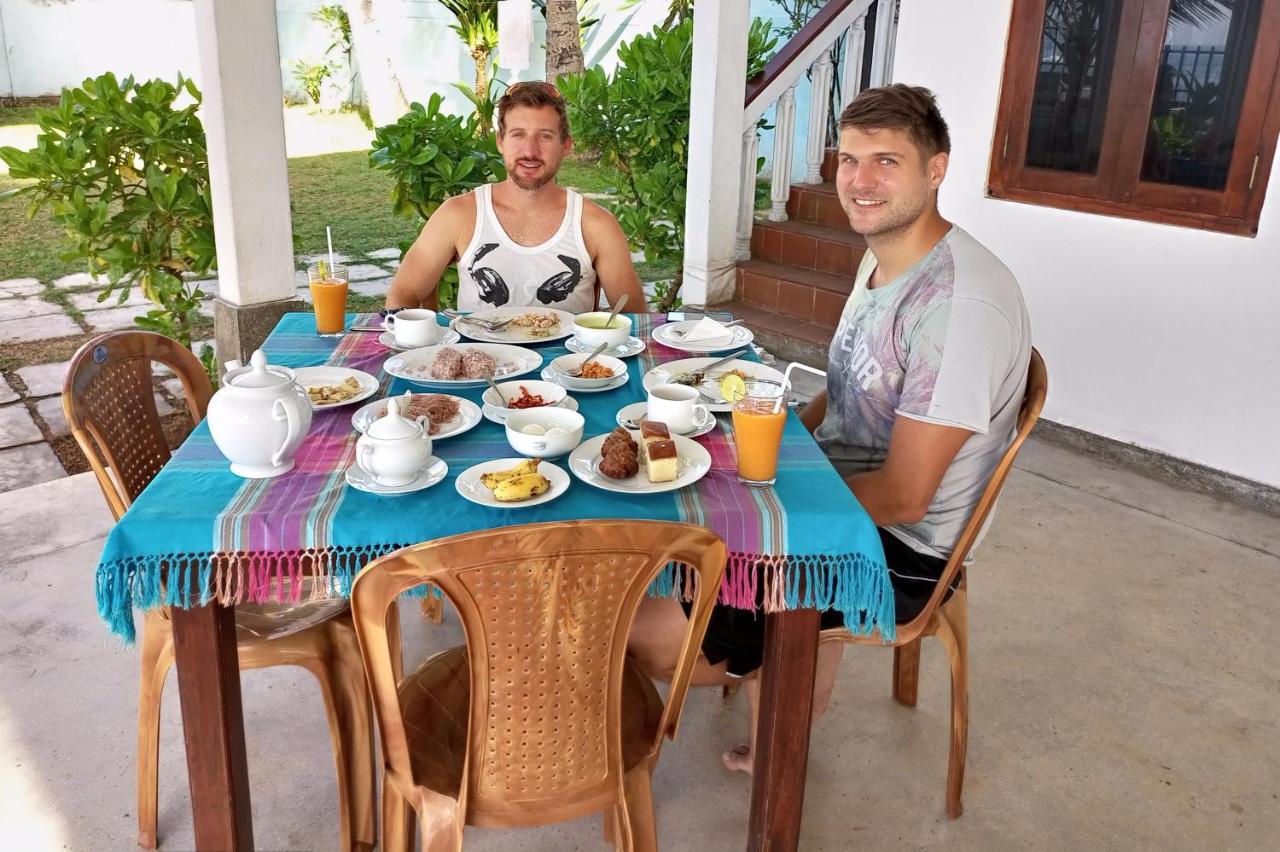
{"x": 902, "y": 489}
{"x": 812, "y": 414}
{"x": 611, "y": 256}
{"x": 431, "y": 253}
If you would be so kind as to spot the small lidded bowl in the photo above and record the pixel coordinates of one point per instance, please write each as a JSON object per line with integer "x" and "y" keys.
{"x": 589, "y": 329}
{"x": 544, "y": 432}
{"x": 552, "y": 395}
{"x": 566, "y": 364}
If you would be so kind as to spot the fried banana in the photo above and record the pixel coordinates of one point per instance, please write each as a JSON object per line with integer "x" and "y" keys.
{"x": 491, "y": 480}
{"x": 520, "y": 488}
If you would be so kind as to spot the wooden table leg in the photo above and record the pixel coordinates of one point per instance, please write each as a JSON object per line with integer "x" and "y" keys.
{"x": 204, "y": 644}
{"x": 782, "y": 735}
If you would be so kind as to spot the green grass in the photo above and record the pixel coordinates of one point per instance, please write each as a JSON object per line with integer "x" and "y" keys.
{"x": 31, "y": 248}
{"x": 25, "y": 114}
{"x": 342, "y": 191}
{"x": 589, "y": 177}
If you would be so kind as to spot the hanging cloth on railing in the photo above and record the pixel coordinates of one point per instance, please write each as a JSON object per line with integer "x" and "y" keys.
{"x": 515, "y": 33}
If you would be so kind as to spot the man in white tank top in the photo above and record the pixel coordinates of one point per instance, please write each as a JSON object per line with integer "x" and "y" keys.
{"x": 525, "y": 240}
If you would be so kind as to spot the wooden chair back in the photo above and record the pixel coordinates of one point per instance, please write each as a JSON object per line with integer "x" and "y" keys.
{"x": 546, "y": 610}
{"x": 109, "y": 402}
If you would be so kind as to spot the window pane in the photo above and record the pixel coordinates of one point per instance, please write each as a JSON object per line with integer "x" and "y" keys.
{"x": 1069, "y": 103}
{"x": 1208, "y": 47}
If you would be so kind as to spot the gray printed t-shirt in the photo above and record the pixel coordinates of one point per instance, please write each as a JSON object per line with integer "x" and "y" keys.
{"x": 946, "y": 342}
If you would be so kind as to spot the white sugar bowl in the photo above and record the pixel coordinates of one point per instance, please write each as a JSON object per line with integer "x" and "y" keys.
{"x": 394, "y": 450}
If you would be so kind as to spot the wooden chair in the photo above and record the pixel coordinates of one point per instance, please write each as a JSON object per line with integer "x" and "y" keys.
{"x": 540, "y": 717}
{"x": 110, "y": 406}
{"x": 949, "y": 621}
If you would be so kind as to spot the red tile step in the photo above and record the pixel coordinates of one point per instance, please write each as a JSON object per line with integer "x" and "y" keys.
{"x": 830, "y": 163}
{"x": 806, "y": 342}
{"x": 800, "y": 244}
{"x": 817, "y": 204}
{"x": 793, "y": 293}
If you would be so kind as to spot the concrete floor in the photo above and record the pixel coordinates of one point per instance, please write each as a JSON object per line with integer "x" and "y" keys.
{"x": 1123, "y": 696}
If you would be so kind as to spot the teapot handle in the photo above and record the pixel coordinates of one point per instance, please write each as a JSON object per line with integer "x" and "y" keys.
{"x": 286, "y": 408}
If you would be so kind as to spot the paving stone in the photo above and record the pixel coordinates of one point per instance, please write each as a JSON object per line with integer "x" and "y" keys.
{"x": 636, "y": 257}
{"x": 113, "y": 319}
{"x": 89, "y": 301}
{"x": 174, "y": 387}
{"x": 300, "y": 278}
{"x": 17, "y": 309}
{"x": 28, "y": 465}
{"x": 386, "y": 253}
{"x": 20, "y": 287}
{"x": 17, "y": 427}
{"x": 163, "y": 407}
{"x": 7, "y": 394}
{"x": 364, "y": 271}
{"x": 370, "y": 288}
{"x": 44, "y": 379}
{"x": 391, "y": 264}
{"x": 50, "y": 409}
{"x": 43, "y": 328}
{"x": 79, "y": 279}
{"x": 209, "y": 286}
{"x": 304, "y": 293}
{"x": 338, "y": 257}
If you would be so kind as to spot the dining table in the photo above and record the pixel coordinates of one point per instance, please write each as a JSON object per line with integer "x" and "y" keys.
{"x": 201, "y": 540}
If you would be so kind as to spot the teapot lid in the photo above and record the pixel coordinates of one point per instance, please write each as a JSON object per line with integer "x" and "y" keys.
{"x": 392, "y": 425}
{"x": 257, "y": 375}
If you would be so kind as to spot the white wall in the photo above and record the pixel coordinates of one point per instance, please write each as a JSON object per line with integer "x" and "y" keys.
{"x": 1154, "y": 335}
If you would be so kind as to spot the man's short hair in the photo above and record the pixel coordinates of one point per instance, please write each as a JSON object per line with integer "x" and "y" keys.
{"x": 900, "y": 107}
{"x": 534, "y": 93}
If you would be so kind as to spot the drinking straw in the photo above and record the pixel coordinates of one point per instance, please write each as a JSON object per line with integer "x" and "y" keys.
{"x": 786, "y": 379}
{"x": 328, "y": 232}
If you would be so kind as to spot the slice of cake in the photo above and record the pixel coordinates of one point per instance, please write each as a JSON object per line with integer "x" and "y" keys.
{"x": 650, "y": 432}
{"x": 663, "y": 456}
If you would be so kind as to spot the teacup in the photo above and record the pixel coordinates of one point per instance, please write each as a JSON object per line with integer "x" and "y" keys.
{"x": 676, "y": 406}
{"x": 413, "y": 327}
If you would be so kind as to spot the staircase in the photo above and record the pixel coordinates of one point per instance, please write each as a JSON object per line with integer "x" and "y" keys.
{"x": 793, "y": 289}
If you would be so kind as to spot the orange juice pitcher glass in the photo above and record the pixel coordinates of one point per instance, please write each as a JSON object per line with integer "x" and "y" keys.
{"x": 329, "y": 296}
{"x": 758, "y": 420}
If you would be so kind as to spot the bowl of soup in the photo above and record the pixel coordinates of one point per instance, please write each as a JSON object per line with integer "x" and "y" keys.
{"x": 592, "y": 329}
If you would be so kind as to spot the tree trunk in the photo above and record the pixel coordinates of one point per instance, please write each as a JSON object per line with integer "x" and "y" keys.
{"x": 481, "y": 57}
{"x": 382, "y": 91}
{"x": 564, "y": 40}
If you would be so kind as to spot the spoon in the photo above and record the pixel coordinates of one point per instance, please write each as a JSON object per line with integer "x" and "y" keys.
{"x": 578, "y": 372}
{"x": 488, "y": 377}
{"x": 622, "y": 303}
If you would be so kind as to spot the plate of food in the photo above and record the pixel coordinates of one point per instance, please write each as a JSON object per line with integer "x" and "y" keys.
{"x": 512, "y": 483}
{"x": 448, "y": 415}
{"x": 694, "y": 372}
{"x": 461, "y": 366}
{"x": 648, "y": 461}
{"x": 334, "y": 387}
{"x": 516, "y": 325}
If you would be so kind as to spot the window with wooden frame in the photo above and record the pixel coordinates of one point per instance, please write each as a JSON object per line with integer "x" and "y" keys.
{"x": 1161, "y": 110}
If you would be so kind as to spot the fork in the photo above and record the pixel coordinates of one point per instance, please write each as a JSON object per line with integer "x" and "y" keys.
{"x": 488, "y": 325}
{"x": 685, "y": 331}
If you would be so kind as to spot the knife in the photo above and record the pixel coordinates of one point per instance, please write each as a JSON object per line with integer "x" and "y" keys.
{"x": 686, "y": 378}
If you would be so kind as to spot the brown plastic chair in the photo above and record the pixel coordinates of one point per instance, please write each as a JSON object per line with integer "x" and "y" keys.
{"x": 540, "y": 717}
{"x": 110, "y": 406}
{"x": 949, "y": 621}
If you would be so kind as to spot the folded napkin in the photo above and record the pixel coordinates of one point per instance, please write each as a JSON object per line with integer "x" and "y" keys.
{"x": 707, "y": 329}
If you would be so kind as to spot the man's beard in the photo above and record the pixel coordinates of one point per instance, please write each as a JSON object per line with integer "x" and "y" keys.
{"x": 897, "y": 220}
{"x": 542, "y": 179}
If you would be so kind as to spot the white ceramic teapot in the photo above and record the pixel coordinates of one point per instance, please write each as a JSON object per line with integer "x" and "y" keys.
{"x": 394, "y": 450}
{"x": 259, "y": 417}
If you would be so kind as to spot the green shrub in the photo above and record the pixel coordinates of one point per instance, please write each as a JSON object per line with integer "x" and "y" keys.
{"x": 311, "y": 77}
{"x": 433, "y": 156}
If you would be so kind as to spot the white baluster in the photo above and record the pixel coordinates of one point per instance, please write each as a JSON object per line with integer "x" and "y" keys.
{"x": 854, "y": 44}
{"x": 783, "y": 139}
{"x": 747, "y": 205}
{"x": 819, "y": 103}
{"x": 882, "y": 49}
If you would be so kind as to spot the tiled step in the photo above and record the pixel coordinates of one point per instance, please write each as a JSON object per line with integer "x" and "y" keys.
{"x": 806, "y": 342}
{"x": 807, "y": 246}
{"x": 829, "y": 165}
{"x": 793, "y": 293}
{"x": 816, "y": 204}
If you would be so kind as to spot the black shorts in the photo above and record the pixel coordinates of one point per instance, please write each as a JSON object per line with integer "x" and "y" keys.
{"x": 737, "y": 635}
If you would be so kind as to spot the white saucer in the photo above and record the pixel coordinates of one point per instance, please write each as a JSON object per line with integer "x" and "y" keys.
{"x": 633, "y": 346}
{"x": 326, "y": 375}
{"x": 447, "y": 336}
{"x": 629, "y": 417}
{"x": 435, "y": 471}
{"x": 666, "y": 335}
{"x": 469, "y": 486}
{"x": 549, "y": 375}
{"x": 493, "y": 415}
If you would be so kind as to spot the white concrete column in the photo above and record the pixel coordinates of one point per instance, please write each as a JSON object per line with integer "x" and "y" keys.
{"x": 854, "y": 44}
{"x": 713, "y": 188}
{"x": 747, "y": 210}
{"x": 784, "y": 132}
{"x": 248, "y": 170}
{"x": 819, "y": 104}
{"x": 882, "y": 50}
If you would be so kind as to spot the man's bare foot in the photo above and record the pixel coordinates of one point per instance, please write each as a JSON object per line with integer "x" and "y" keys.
{"x": 738, "y": 758}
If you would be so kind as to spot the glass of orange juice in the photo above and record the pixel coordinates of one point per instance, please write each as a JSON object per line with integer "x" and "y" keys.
{"x": 329, "y": 296}
{"x": 758, "y": 419}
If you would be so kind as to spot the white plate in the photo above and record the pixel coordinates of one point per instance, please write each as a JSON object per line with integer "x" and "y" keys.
{"x": 710, "y": 386}
{"x": 468, "y": 416}
{"x": 435, "y": 471}
{"x": 470, "y": 487}
{"x": 313, "y": 376}
{"x": 447, "y": 336}
{"x": 629, "y": 417}
{"x": 693, "y": 464}
{"x": 415, "y": 365}
{"x": 549, "y": 375}
{"x": 513, "y": 335}
{"x": 633, "y": 346}
{"x": 665, "y": 334}
{"x": 494, "y": 414}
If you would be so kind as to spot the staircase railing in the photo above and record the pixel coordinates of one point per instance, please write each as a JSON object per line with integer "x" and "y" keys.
{"x": 809, "y": 50}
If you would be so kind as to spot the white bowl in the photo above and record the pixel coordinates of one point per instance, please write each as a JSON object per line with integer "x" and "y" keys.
{"x": 550, "y": 391}
{"x": 545, "y": 446}
{"x": 568, "y": 363}
{"x": 615, "y": 336}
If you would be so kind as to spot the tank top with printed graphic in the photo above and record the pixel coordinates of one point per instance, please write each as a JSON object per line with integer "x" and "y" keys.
{"x": 495, "y": 270}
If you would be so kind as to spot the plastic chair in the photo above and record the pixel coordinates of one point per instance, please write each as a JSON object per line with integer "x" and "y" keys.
{"x": 110, "y": 407}
{"x": 949, "y": 621}
{"x": 540, "y": 717}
